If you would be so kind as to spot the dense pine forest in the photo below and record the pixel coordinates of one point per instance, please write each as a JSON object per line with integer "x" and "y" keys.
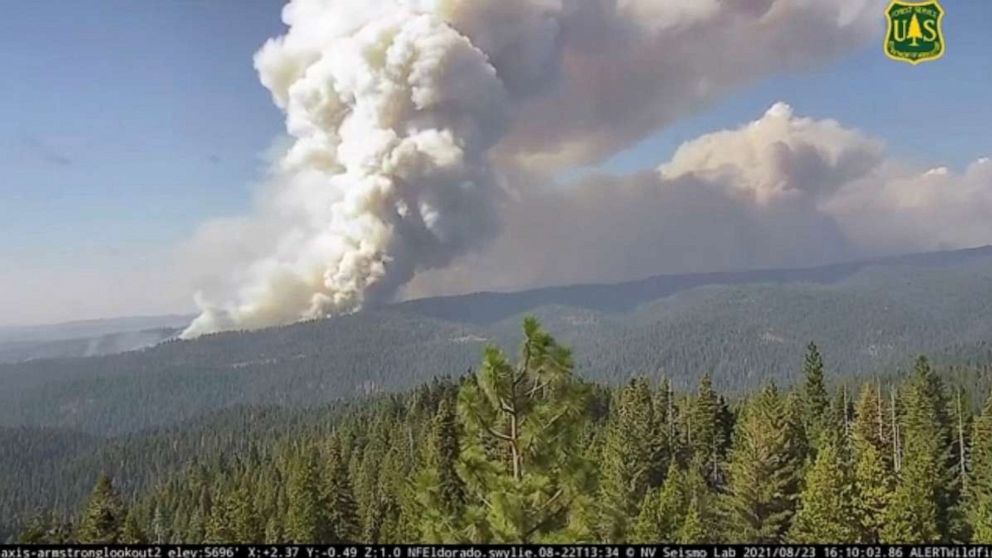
{"x": 869, "y": 321}
{"x": 522, "y": 449}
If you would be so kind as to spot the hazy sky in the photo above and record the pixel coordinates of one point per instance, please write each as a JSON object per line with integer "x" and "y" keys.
{"x": 124, "y": 125}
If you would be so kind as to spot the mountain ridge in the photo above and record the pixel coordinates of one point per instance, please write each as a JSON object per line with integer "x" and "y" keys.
{"x": 873, "y": 319}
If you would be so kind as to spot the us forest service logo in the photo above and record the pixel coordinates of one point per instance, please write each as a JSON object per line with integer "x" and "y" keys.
{"x": 914, "y": 33}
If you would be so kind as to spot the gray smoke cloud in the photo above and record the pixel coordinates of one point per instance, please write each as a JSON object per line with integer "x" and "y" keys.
{"x": 412, "y": 121}
{"x": 783, "y": 190}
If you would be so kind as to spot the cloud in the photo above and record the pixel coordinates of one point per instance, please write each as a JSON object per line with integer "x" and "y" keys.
{"x": 781, "y": 191}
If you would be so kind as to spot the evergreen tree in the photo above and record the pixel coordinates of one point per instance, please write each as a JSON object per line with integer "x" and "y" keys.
{"x": 245, "y": 524}
{"x": 764, "y": 471}
{"x": 979, "y": 495}
{"x": 800, "y": 446}
{"x": 629, "y": 461}
{"x": 873, "y": 474}
{"x": 45, "y": 528}
{"x": 441, "y": 492}
{"x": 826, "y": 508}
{"x": 443, "y": 458}
{"x": 707, "y": 442}
{"x": 680, "y": 511}
{"x": 306, "y": 521}
{"x": 103, "y": 517}
{"x": 871, "y": 417}
{"x": 522, "y": 462}
{"x": 921, "y": 506}
{"x": 693, "y": 530}
{"x": 339, "y": 500}
{"x": 36, "y": 530}
{"x": 507, "y": 457}
{"x": 382, "y": 520}
{"x": 159, "y": 529}
{"x": 662, "y": 512}
{"x": 131, "y": 532}
{"x": 815, "y": 400}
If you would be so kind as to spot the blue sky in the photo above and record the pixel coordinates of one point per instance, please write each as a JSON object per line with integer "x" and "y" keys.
{"x": 123, "y": 124}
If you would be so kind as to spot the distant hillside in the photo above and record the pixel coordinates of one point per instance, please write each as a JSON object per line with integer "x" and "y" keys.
{"x": 86, "y": 338}
{"x": 90, "y": 328}
{"x": 487, "y": 307}
{"x": 111, "y": 343}
{"x": 741, "y": 327}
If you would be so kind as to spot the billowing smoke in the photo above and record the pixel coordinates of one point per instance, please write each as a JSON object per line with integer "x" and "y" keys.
{"x": 392, "y": 112}
{"x": 409, "y": 119}
{"x": 781, "y": 191}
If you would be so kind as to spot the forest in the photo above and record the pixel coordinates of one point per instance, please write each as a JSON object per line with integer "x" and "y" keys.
{"x": 743, "y": 335}
{"x": 523, "y": 450}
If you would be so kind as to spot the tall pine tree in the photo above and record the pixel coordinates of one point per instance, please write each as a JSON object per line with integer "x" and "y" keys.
{"x": 873, "y": 472}
{"x": 440, "y": 491}
{"x": 338, "y": 498}
{"x": 921, "y": 508}
{"x": 826, "y": 507}
{"x": 103, "y": 517}
{"x": 979, "y": 494}
{"x": 815, "y": 400}
{"x": 630, "y": 460}
{"x": 522, "y": 461}
{"x": 306, "y": 521}
{"x": 764, "y": 471}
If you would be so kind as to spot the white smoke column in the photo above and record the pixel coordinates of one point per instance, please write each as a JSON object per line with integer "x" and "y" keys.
{"x": 392, "y": 112}
{"x": 395, "y": 105}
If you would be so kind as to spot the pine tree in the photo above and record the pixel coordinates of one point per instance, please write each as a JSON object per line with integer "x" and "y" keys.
{"x": 873, "y": 472}
{"x": 871, "y": 417}
{"x": 159, "y": 527}
{"x": 826, "y": 508}
{"x": 382, "y": 520}
{"x": 629, "y": 462}
{"x": 681, "y": 510}
{"x": 103, "y": 517}
{"x": 661, "y": 514}
{"x": 979, "y": 494}
{"x": 800, "y": 446}
{"x": 44, "y": 528}
{"x": 707, "y": 441}
{"x": 131, "y": 532}
{"x": 245, "y": 524}
{"x": 693, "y": 530}
{"x": 306, "y": 521}
{"x": 921, "y": 506}
{"x": 815, "y": 400}
{"x": 912, "y": 515}
{"x": 764, "y": 471}
{"x": 441, "y": 492}
{"x": 444, "y": 449}
{"x": 339, "y": 500}
{"x": 522, "y": 462}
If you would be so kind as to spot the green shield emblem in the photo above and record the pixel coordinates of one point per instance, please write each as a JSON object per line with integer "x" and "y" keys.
{"x": 914, "y": 32}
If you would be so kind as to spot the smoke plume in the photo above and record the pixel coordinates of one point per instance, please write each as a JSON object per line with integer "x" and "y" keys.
{"x": 410, "y": 120}
{"x": 781, "y": 191}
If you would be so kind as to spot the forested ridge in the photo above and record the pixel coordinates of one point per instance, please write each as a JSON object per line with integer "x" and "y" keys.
{"x": 743, "y": 334}
{"x": 522, "y": 449}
